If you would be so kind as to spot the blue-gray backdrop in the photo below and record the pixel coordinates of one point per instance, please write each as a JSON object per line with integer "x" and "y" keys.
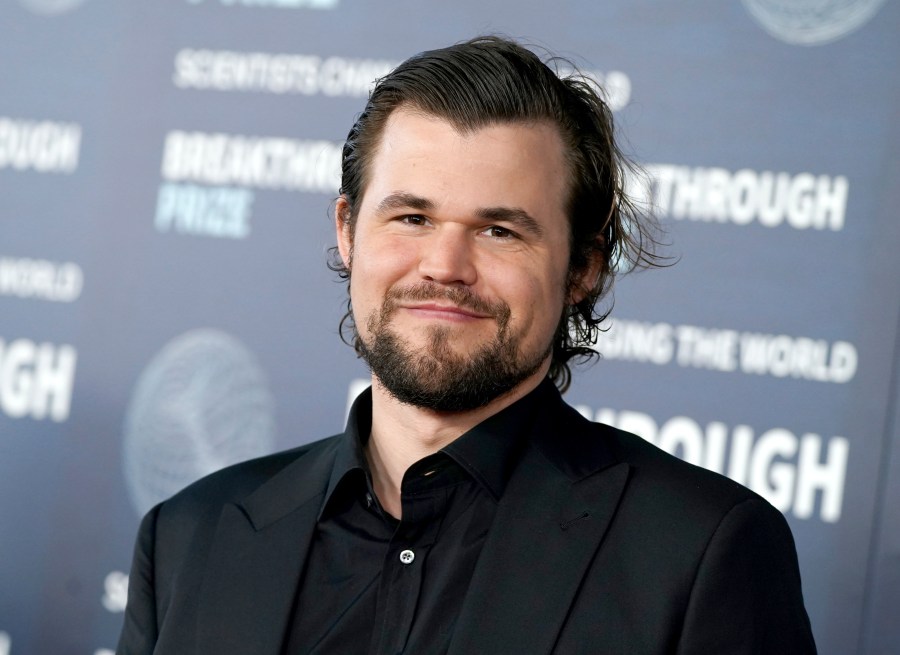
{"x": 166, "y": 171}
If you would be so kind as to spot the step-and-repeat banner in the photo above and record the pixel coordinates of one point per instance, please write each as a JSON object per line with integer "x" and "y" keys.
{"x": 166, "y": 174}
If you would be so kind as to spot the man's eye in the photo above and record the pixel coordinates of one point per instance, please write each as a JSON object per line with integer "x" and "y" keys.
{"x": 499, "y": 232}
{"x": 413, "y": 219}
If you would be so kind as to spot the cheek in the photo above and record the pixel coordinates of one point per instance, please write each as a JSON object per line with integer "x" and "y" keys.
{"x": 539, "y": 303}
{"x": 377, "y": 266}
{"x": 383, "y": 254}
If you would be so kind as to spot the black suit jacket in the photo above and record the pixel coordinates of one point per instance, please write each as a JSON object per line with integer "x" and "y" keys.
{"x": 601, "y": 544}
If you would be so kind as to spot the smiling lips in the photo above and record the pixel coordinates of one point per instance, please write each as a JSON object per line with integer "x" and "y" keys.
{"x": 444, "y": 312}
{"x": 428, "y": 300}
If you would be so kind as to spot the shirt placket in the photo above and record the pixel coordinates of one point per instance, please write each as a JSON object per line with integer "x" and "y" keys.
{"x": 403, "y": 570}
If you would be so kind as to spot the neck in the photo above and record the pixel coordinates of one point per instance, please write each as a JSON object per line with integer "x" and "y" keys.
{"x": 403, "y": 434}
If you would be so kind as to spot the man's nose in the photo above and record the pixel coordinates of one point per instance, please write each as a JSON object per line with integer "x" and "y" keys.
{"x": 447, "y": 257}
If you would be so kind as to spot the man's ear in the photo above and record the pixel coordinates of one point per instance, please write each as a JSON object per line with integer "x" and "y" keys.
{"x": 342, "y": 229}
{"x": 584, "y": 281}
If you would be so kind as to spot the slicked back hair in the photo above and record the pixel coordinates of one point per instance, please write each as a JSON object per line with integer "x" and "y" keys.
{"x": 491, "y": 80}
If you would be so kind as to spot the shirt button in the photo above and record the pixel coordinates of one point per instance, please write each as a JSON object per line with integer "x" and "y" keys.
{"x": 368, "y": 499}
{"x": 407, "y": 556}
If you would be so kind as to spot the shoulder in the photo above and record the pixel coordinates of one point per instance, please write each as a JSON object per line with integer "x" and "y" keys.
{"x": 177, "y": 533}
{"x": 679, "y": 512}
{"x": 654, "y": 468}
{"x": 580, "y": 447}
{"x": 662, "y": 485}
{"x": 699, "y": 551}
{"x": 201, "y": 501}
{"x": 682, "y": 512}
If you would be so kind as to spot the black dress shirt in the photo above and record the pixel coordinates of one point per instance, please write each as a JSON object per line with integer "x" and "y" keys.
{"x": 379, "y": 586}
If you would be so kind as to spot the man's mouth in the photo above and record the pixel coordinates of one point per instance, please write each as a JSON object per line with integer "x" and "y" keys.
{"x": 453, "y": 303}
{"x": 443, "y": 311}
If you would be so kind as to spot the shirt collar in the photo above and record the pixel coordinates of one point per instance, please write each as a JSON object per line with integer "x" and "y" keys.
{"x": 350, "y": 458}
{"x": 488, "y": 452}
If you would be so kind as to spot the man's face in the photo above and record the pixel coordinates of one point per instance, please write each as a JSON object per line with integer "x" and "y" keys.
{"x": 459, "y": 259}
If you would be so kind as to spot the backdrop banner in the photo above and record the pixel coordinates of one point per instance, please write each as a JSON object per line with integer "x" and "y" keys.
{"x": 167, "y": 172}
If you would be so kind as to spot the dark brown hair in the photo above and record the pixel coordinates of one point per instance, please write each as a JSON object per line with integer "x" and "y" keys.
{"x": 489, "y": 80}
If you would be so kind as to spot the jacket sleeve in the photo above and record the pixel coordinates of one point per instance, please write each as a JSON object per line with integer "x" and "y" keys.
{"x": 746, "y": 597}
{"x": 139, "y": 631}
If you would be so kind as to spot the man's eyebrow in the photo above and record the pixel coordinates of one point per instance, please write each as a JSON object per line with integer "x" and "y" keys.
{"x": 518, "y": 217}
{"x": 403, "y": 200}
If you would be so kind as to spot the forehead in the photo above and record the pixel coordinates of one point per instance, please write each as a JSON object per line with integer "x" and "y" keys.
{"x": 517, "y": 164}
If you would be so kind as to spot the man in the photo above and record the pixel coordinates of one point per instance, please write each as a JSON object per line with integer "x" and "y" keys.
{"x": 467, "y": 509}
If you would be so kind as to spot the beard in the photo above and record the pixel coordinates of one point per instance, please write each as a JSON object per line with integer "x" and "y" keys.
{"x": 436, "y": 377}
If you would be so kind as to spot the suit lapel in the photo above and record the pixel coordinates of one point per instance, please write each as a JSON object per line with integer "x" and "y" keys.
{"x": 546, "y": 532}
{"x": 256, "y": 559}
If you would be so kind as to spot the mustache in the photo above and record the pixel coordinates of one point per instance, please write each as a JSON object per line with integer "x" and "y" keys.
{"x": 460, "y": 296}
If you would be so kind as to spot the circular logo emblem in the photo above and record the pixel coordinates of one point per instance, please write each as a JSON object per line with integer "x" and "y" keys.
{"x": 51, "y": 7}
{"x": 201, "y": 404}
{"x": 811, "y": 22}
